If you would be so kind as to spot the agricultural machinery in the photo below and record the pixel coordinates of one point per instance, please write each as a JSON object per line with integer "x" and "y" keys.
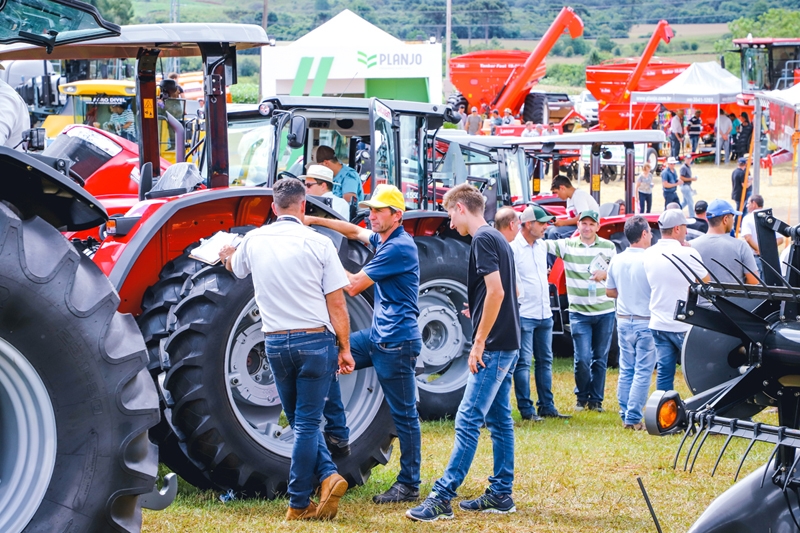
{"x": 503, "y": 79}
{"x": 76, "y": 401}
{"x": 739, "y": 358}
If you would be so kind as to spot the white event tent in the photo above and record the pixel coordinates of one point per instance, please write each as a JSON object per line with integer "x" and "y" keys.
{"x": 701, "y": 83}
{"x": 348, "y": 56}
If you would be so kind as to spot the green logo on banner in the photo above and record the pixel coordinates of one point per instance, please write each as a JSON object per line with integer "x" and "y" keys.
{"x": 368, "y": 61}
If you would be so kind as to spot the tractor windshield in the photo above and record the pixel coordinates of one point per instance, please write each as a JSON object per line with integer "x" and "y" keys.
{"x": 51, "y": 22}
{"x": 115, "y": 114}
{"x": 755, "y": 69}
{"x": 251, "y": 146}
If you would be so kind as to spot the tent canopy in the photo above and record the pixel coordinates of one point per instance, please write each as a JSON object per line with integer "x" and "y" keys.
{"x": 701, "y": 83}
{"x": 346, "y": 29}
{"x": 790, "y": 96}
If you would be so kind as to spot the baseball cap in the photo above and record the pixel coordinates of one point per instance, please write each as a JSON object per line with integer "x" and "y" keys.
{"x": 719, "y": 208}
{"x": 701, "y": 206}
{"x": 474, "y": 108}
{"x": 385, "y": 196}
{"x": 594, "y": 215}
{"x": 534, "y": 212}
{"x": 318, "y": 172}
{"x": 672, "y": 218}
{"x": 742, "y": 160}
{"x": 687, "y": 159}
{"x": 671, "y": 161}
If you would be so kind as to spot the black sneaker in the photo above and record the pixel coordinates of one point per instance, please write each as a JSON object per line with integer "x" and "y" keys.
{"x": 490, "y": 502}
{"x": 596, "y": 407}
{"x": 553, "y": 414}
{"x": 430, "y": 510}
{"x": 532, "y": 418}
{"x": 338, "y": 448}
{"x": 580, "y": 406}
{"x": 399, "y": 492}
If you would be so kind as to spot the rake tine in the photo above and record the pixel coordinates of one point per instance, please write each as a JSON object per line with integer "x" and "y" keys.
{"x": 785, "y": 283}
{"x": 760, "y": 281}
{"x": 699, "y": 279}
{"x": 742, "y": 285}
{"x": 691, "y": 281}
{"x": 796, "y": 271}
{"x": 789, "y": 473}
{"x": 772, "y": 455}
{"x": 683, "y": 440}
{"x": 747, "y": 451}
{"x": 697, "y": 452}
{"x": 724, "y": 446}
{"x": 691, "y": 446}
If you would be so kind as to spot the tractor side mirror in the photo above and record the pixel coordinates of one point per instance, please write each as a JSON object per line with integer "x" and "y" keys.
{"x": 145, "y": 180}
{"x": 452, "y": 116}
{"x": 297, "y": 132}
{"x": 34, "y": 139}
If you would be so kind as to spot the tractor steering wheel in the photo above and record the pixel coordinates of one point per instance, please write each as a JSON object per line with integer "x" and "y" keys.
{"x": 284, "y": 174}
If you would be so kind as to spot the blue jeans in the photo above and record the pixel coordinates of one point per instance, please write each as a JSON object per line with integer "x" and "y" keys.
{"x": 645, "y": 202}
{"x": 591, "y": 338}
{"x": 668, "y": 350}
{"x": 535, "y": 345}
{"x": 674, "y": 145}
{"x": 671, "y": 195}
{"x": 695, "y": 140}
{"x": 637, "y": 358}
{"x": 302, "y": 365}
{"x": 688, "y": 198}
{"x": 394, "y": 364}
{"x": 487, "y": 398}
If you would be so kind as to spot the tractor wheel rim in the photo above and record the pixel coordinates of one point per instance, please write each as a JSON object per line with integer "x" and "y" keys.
{"x": 28, "y": 427}
{"x": 442, "y": 365}
{"x": 256, "y": 403}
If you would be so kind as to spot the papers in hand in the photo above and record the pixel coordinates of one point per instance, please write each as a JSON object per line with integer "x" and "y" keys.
{"x": 208, "y": 251}
{"x": 599, "y": 263}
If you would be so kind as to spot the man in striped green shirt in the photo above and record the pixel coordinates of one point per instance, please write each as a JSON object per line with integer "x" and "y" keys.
{"x": 591, "y": 312}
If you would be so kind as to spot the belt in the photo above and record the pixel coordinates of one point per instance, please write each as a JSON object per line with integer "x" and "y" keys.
{"x": 320, "y": 329}
{"x": 633, "y": 317}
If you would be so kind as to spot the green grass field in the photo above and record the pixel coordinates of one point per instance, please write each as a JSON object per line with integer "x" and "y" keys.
{"x": 571, "y": 476}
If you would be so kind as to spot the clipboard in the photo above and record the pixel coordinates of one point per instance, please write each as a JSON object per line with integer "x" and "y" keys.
{"x": 208, "y": 251}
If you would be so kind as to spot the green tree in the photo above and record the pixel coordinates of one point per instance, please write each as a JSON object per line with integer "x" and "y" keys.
{"x": 118, "y": 11}
{"x": 604, "y": 43}
{"x": 488, "y": 13}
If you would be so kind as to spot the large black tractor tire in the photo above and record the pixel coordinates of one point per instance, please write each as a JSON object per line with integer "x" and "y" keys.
{"x": 442, "y": 368}
{"x": 536, "y": 109}
{"x": 76, "y": 400}
{"x": 456, "y": 100}
{"x": 226, "y": 410}
{"x": 157, "y": 302}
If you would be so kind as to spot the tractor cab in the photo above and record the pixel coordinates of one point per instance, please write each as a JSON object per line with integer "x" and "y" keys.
{"x": 768, "y": 64}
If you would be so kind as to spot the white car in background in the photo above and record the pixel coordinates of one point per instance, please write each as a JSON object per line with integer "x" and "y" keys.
{"x": 586, "y": 105}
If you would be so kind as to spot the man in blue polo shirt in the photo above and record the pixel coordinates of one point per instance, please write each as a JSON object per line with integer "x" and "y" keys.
{"x": 393, "y": 343}
{"x": 346, "y": 181}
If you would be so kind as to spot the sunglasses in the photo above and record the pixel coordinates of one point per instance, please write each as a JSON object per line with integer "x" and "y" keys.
{"x": 312, "y": 183}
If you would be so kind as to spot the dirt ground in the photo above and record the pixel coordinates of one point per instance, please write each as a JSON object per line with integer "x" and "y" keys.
{"x": 779, "y": 192}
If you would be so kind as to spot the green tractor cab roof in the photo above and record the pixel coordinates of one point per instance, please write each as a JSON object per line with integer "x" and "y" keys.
{"x": 174, "y": 40}
{"x": 51, "y": 23}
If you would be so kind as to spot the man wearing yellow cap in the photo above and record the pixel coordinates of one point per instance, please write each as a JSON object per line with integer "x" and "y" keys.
{"x": 393, "y": 343}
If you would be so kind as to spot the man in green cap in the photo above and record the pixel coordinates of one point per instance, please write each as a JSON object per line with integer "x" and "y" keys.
{"x": 535, "y": 317}
{"x": 591, "y": 312}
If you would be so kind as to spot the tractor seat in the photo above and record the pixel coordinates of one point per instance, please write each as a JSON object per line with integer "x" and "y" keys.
{"x": 609, "y": 209}
{"x": 179, "y": 178}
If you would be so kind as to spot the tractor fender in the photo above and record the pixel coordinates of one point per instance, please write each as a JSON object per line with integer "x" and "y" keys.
{"x": 168, "y": 225}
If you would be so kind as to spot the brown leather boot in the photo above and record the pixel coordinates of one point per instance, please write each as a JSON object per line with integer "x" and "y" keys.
{"x": 309, "y": 513}
{"x": 332, "y": 489}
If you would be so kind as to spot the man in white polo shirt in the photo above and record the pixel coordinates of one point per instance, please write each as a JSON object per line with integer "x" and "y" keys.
{"x": 535, "y": 317}
{"x": 667, "y": 286}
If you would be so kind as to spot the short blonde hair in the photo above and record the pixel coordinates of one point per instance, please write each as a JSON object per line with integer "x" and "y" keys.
{"x": 466, "y": 195}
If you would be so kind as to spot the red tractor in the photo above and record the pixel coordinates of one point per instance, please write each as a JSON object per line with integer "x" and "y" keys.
{"x": 76, "y": 401}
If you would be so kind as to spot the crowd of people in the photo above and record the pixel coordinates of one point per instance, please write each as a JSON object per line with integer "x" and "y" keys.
{"x": 309, "y": 344}
{"x": 488, "y": 121}
{"x": 735, "y": 133}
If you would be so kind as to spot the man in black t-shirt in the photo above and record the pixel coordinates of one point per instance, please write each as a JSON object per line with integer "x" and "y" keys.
{"x": 495, "y": 348}
{"x": 737, "y": 182}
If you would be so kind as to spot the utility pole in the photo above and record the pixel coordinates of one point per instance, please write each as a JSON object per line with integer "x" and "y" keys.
{"x": 174, "y": 16}
{"x": 261, "y": 53}
{"x": 448, "y": 37}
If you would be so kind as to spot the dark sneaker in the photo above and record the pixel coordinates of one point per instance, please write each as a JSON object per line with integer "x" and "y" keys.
{"x": 399, "y": 492}
{"x": 532, "y": 418}
{"x": 638, "y": 426}
{"x": 338, "y": 448}
{"x": 580, "y": 406}
{"x": 553, "y": 414}
{"x": 432, "y": 509}
{"x": 490, "y": 502}
{"x": 596, "y": 407}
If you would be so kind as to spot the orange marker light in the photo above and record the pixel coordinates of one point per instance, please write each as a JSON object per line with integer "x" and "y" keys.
{"x": 667, "y": 414}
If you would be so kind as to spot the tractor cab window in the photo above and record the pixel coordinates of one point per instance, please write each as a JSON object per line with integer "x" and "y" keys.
{"x": 115, "y": 114}
{"x": 250, "y": 146}
{"x": 785, "y": 60}
{"x": 412, "y": 165}
{"x": 383, "y": 150}
{"x": 49, "y": 23}
{"x": 755, "y": 69}
{"x": 517, "y": 174}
